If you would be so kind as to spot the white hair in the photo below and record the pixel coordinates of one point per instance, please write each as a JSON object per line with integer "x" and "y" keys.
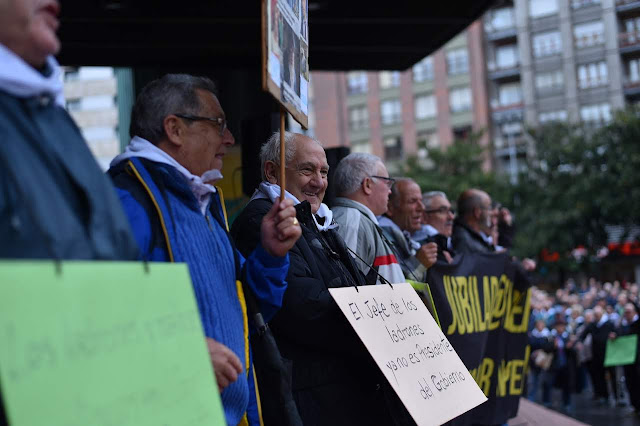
{"x": 352, "y": 170}
{"x": 428, "y": 196}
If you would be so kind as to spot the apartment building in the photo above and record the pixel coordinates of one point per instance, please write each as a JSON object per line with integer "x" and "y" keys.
{"x": 393, "y": 114}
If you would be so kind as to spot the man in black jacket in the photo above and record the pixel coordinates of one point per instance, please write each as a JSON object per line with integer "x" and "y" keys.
{"x": 472, "y": 228}
{"x": 334, "y": 379}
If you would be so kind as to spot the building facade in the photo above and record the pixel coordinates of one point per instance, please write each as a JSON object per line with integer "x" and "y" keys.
{"x": 394, "y": 114}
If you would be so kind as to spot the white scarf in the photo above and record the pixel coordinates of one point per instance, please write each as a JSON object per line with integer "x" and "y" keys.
{"x": 139, "y": 147}
{"x": 21, "y": 80}
{"x": 272, "y": 192}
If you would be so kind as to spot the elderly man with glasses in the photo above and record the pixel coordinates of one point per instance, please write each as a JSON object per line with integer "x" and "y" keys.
{"x": 363, "y": 186}
{"x": 437, "y": 224}
{"x": 165, "y": 182}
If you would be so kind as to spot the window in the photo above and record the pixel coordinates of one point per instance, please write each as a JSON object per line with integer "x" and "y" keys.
{"x": 457, "y": 62}
{"x": 500, "y": 19}
{"x": 510, "y": 94}
{"x": 577, "y": 4}
{"x": 546, "y": 44}
{"x": 549, "y": 116}
{"x": 549, "y": 80}
{"x": 461, "y": 132}
{"x": 507, "y": 56}
{"x": 425, "y": 106}
{"x": 74, "y": 105}
{"x": 589, "y": 34}
{"x": 389, "y": 79}
{"x": 391, "y": 112}
{"x": 358, "y": 118}
{"x": 460, "y": 99}
{"x": 634, "y": 70}
{"x": 595, "y": 114}
{"x": 392, "y": 148}
{"x": 361, "y": 147}
{"x": 592, "y": 75}
{"x": 95, "y": 73}
{"x": 426, "y": 141}
{"x": 92, "y": 103}
{"x": 357, "y": 82}
{"x": 632, "y": 31}
{"x": 539, "y": 8}
{"x": 423, "y": 70}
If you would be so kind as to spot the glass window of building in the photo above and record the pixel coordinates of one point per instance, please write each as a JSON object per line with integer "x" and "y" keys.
{"x": 539, "y": 8}
{"x": 457, "y": 61}
{"x": 507, "y": 56}
{"x": 549, "y": 80}
{"x": 460, "y": 99}
{"x": 389, "y": 79}
{"x": 634, "y": 71}
{"x": 596, "y": 114}
{"x": 363, "y": 146}
{"x": 510, "y": 94}
{"x": 577, "y": 4}
{"x": 357, "y": 82}
{"x": 392, "y": 148}
{"x": 546, "y": 44}
{"x": 391, "y": 112}
{"x": 358, "y": 118}
{"x": 592, "y": 75}
{"x": 425, "y": 107}
{"x": 549, "y": 116}
{"x": 500, "y": 19}
{"x": 99, "y": 133}
{"x": 423, "y": 70}
{"x": 589, "y": 34}
{"x": 632, "y": 31}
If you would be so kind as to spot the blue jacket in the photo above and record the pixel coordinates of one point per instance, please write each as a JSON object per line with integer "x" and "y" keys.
{"x": 169, "y": 227}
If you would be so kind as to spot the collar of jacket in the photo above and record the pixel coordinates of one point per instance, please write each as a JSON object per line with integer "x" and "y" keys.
{"x": 475, "y": 235}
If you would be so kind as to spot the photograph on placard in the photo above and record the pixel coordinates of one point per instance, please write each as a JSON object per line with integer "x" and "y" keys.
{"x": 291, "y": 59}
{"x": 304, "y": 21}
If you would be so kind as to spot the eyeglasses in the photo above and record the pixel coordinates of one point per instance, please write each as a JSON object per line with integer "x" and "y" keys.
{"x": 220, "y": 121}
{"x": 389, "y": 181}
{"x": 442, "y": 210}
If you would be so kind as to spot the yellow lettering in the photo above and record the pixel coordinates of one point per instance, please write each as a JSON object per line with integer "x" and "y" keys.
{"x": 485, "y": 370}
{"x": 517, "y": 374}
{"x": 496, "y": 297}
{"x": 465, "y": 308}
{"x": 503, "y": 377}
{"x": 455, "y": 321}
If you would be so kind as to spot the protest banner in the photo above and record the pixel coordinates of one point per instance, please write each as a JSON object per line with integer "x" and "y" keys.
{"x": 285, "y": 55}
{"x": 103, "y": 343}
{"x": 483, "y": 304}
{"x": 621, "y": 351}
{"x": 411, "y": 350}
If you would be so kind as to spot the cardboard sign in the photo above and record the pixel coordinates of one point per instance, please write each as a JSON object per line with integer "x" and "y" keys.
{"x": 621, "y": 351}
{"x": 285, "y": 55}
{"x": 411, "y": 350}
{"x": 103, "y": 343}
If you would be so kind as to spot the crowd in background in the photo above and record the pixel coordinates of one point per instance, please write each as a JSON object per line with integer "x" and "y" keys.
{"x": 569, "y": 331}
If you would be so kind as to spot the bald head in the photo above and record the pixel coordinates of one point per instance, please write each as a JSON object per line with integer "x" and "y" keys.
{"x": 474, "y": 207}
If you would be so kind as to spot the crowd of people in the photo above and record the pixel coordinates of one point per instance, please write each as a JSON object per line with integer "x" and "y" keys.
{"x": 159, "y": 203}
{"x": 569, "y": 332}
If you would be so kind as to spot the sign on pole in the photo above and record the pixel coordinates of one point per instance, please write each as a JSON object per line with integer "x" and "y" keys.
{"x": 411, "y": 350}
{"x": 285, "y": 55}
{"x": 103, "y": 343}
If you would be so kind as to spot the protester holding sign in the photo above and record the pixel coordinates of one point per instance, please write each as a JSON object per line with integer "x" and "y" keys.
{"x": 334, "y": 380}
{"x": 164, "y": 179}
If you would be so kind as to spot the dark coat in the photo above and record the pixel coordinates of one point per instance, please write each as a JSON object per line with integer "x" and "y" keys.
{"x": 335, "y": 381}
{"x": 54, "y": 200}
{"x": 466, "y": 240}
{"x": 600, "y": 335}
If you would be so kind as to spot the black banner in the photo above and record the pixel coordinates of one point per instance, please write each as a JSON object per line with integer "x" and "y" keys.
{"x": 482, "y": 301}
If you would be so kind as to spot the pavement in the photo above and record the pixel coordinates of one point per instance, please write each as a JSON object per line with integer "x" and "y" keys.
{"x": 586, "y": 412}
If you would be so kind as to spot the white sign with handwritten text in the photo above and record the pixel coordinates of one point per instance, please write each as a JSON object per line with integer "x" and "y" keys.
{"x": 411, "y": 350}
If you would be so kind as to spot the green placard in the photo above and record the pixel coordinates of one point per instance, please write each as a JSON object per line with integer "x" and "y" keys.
{"x": 621, "y": 351}
{"x": 103, "y": 343}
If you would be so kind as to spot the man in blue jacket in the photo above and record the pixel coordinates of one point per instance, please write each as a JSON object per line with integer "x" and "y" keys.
{"x": 165, "y": 182}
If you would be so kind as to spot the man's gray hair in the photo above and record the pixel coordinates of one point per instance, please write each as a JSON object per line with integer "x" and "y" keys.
{"x": 395, "y": 191}
{"x": 427, "y": 197}
{"x": 270, "y": 151}
{"x": 352, "y": 170}
{"x": 171, "y": 94}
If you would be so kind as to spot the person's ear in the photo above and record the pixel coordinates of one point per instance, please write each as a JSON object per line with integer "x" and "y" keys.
{"x": 272, "y": 172}
{"x": 367, "y": 186}
{"x": 174, "y": 129}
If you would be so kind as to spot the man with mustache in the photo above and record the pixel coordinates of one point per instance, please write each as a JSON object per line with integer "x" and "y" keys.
{"x": 165, "y": 181}
{"x": 404, "y": 217}
{"x": 437, "y": 225}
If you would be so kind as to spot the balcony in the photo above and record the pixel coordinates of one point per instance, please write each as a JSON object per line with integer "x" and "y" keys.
{"x": 631, "y": 88}
{"x": 627, "y": 5}
{"x": 579, "y": 4}
{"x": 500, "y": 34}
{"x": 504, "y": 113}
{"x": 500, "y": 24}
{"x": 499, "y": 72}
{"x": 629, "y": 42}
